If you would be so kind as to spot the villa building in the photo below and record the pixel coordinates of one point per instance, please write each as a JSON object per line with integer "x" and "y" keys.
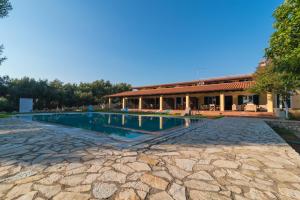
{"x": 225, "y": 96}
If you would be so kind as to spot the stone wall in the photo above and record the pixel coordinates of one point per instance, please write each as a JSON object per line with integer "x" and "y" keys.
{"x": 287, "y": 124}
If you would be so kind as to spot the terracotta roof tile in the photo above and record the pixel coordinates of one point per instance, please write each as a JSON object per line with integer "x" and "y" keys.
{"x": 233, "y": 86}
{"x": 245, "y": 76}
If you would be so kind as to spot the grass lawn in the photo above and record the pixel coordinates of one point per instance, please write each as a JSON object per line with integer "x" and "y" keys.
{"x": 289, "y": 137}
{"x": 4, "y": 115}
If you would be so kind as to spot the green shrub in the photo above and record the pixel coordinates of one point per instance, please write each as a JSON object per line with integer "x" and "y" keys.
{"x": 4, "y": 105}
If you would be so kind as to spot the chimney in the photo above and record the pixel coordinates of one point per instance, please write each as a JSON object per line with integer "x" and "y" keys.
{"x": 262, "y": 63}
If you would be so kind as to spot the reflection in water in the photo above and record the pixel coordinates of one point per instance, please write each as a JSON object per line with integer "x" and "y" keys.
{"x": 140, "y": 120}
{"x": 122, "y": 124}
{"x": 187, "y": 122}
{"x": 123, "y": 119}
{"x": 161, "y": 125}
{"x": 109, "y": 118}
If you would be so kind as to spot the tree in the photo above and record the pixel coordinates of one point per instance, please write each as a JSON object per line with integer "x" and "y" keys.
{"x": 267, "y": 79}
{"x": 5, "y": 7}
{"x": 1, "y": 51}
{"x": 281, "y": 74}
{"x": 284, "y": 47}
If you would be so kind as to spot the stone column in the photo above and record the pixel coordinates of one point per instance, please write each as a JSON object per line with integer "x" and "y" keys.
{"x": 161, "y": 103}
{"x": 270, "y": 105}
{"x": 140, "y": 103}
{"x": 109, "y": 103}
{"x": 187, "y": 102}
{"x": 123, "y": 103}
{"x": 222, "y": 102}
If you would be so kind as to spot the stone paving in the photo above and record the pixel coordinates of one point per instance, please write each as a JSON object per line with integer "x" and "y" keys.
{"x": 228, "y": 158}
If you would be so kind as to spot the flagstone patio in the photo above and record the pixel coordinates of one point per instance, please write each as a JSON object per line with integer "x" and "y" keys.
{"x": 228, "y": 158}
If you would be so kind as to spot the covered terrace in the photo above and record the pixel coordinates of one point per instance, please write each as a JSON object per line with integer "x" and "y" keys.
{"x": 221, "y": 97}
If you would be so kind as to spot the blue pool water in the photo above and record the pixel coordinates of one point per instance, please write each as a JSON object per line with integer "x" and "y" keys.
{"x": 125, "y": 125}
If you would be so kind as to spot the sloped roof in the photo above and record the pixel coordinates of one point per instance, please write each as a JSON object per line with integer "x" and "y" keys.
{"x": 225, "y": 78}
{"x": 233, "y": 86}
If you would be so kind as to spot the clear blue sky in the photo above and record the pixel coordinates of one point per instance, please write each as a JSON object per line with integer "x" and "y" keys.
{"x": 135, "y": 41}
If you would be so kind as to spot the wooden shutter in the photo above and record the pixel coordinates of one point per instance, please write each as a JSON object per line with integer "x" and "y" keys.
{"x": 218, "y": 100}
{"x": 205, "y": 100}
{"x": 240, "y": 99}
{"x": 256, "y": 99}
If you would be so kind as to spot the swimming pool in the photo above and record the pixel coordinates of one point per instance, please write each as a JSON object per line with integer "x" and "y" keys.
{"x": 124, "y": 125}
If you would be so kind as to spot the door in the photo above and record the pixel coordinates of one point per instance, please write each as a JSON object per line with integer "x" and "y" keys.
{"x": 228, "y": 102}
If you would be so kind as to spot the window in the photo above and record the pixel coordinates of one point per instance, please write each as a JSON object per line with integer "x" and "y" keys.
{"x": 248, "y": 99}
{"x": 244, "y": 99}
{"x": 212, "y": 100}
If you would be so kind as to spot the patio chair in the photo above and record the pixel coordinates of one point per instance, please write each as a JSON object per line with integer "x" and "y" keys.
{"x": 251, "y": 107}
{"x": 212, "y": 107}
{"x": 234, "y": 107}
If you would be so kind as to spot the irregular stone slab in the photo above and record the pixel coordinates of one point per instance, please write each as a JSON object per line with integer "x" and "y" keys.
{"x": 56, "y": 168}
{"x": 73, "y": 180}
{"x": 19, "y": 190}
{"x": 28, "y": 196}
{"x": 91, "y": 178}
{"x": 200, "y": 167}
{"x": 128, "y": 194}
{"x": 256, "y": 194}
{"x": 94, "y": 168}
{"x": 126, "y": 159}
{"x": 113, "y": 176}
{"x": 18, "y": 176}
{"x": 219, "y": 173}
{"x": 163, "y": 174}
{"x": 177, "y": 192}
{"x": 282, "y": 175}
{"x": 76, "y": 170}
{"x": 225, "y": 193}
{"x": 177, "y": 172}
{"x": 135, "y": 176}
{"x": 48, "y": 191}
{"x": 185, "y": 164}
{"x": 201, "y": 185}
{"x": 137, "y": 185}
{"x": 80, "y": 188}
{"x": 168, "y": 154}
{"x": 226, "y": 164}
{"x": 30, "y": 179}
{"x": 281, "y": 160}
{"x": 122, "y": 168}
{"x": 250, "y": 167}
{"x": 130, "y": 153}
{"x": 237, "y": 175}
{"x": 201, "y": 195}
{"x": 151, "y": 160}
{"x": 201, "y": 175}
{"x": 50, "y": 179}
{"x": 154, "y": 181}
{"x": 139, "y": 166}
{"x": 160, "y": 196}
{"x": 71, "y": 196}
{"x": 291, "y": 193}
{"x": 234, "y": 189}
{"x": 104, "y": 190}
{"x": 5, "y": 187}
{"x": 141, "y": 194}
